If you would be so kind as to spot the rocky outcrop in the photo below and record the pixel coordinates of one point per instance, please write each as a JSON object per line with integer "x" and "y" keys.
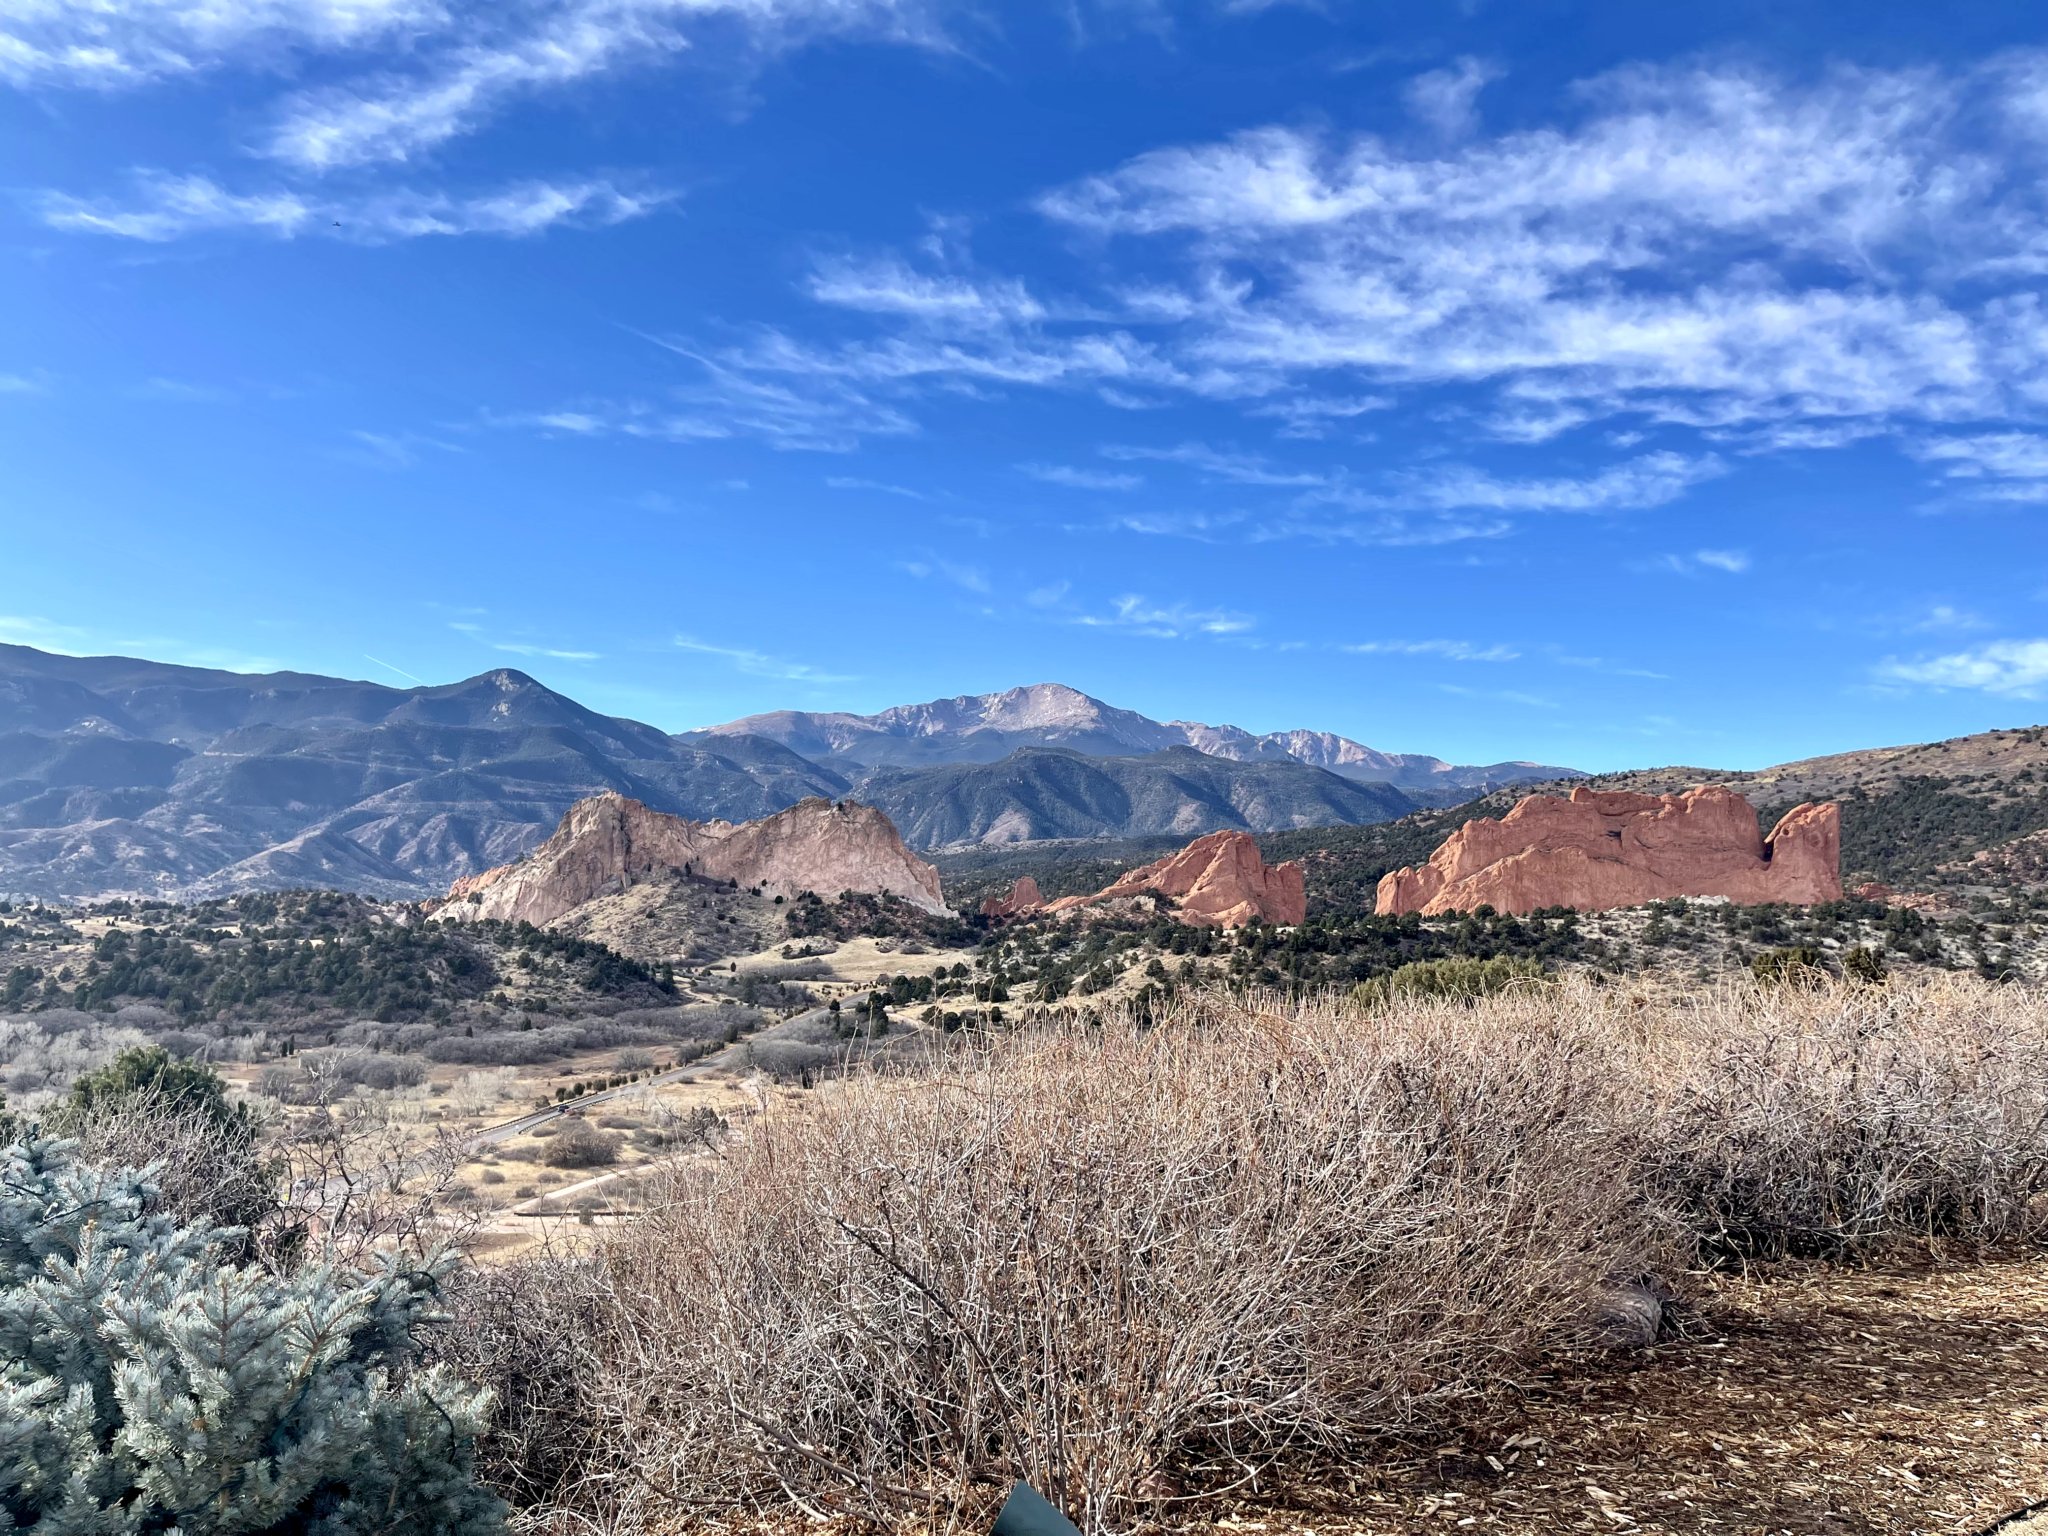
{"x": 1218, "y": 881}
{"x": 1023, "y": 898}
{"x": 609, "y": 842}
{"x": 1611, "y": 848}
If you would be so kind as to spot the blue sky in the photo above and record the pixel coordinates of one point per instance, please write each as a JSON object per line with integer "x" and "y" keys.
{"x": 1602, "y": 383}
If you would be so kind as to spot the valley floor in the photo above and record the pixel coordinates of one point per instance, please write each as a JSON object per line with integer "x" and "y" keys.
{"x": 1822, "y": 1403}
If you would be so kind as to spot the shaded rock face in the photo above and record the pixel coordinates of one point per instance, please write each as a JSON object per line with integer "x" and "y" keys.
{"x": 608, "y": 842}
{"x": 1218, "y": 881}
{"x": 1611, "y": 848}
{"x": 1023, "y": 897}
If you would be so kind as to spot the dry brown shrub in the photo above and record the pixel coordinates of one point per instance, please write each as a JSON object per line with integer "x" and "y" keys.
{"x": 1842, "y": 1120}
{"x": 582, "y": 1145}
{"x": 205, "y": 1170}
{"x": 1130, "y": 1265}
{"x": 528, "y": 1329}
{"x": 1106, "y": 1261}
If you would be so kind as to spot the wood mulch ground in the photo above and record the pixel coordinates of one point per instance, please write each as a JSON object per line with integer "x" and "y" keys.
{"x": 1828, "y": 1402}
{"x": 1817, "y": 1402}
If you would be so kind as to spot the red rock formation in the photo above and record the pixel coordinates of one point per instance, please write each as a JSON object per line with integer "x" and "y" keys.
{"x": 608, "y": 842}
{"x": 1023, "y": 898}
{"x": 1610, "y": 848}
{"x": 1218, "y": 881}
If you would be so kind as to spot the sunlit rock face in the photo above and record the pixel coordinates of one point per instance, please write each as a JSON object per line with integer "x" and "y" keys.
{"x": 1612, "y": 848}
{"x": 1218, "y": 881}
{"x": 608, "y": 842}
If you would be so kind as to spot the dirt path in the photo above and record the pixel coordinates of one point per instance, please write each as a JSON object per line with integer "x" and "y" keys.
{"x": 1827, "y": 1404}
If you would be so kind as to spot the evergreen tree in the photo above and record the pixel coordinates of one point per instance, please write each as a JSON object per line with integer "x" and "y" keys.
{"x": 148, "y": 1388}
{"x": 188, "y": 1086}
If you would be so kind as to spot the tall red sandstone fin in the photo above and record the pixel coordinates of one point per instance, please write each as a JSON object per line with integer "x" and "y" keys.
{"x": 1614, "y": 848}
{"x": 1023, "y": 898}
{"x": 1805, "y": 850}
{"x": 608, "y": 842}
{"x": 1217, "y": 881}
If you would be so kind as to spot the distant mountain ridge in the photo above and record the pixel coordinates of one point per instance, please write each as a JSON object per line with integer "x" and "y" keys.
{"x": 984, "y": 728}
{"x": 139, "y": 778}
{"x": 121, "y": 776}
{"x": 1041, "y": 793}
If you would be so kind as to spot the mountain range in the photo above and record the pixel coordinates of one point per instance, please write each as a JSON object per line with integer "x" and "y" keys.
{"x": 983, "y": 728}
{"x": 125, "y": 776}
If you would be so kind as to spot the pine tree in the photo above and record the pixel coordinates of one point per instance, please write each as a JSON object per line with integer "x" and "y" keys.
{"x": 148, "y": 1386}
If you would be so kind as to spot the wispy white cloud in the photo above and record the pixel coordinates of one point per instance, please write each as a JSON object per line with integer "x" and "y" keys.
{"x": 551, "y": 653}
{"x": 1990, "y": 466}
{"x": 1779, "y": 265}
{"x": 468, "y": 72}
{"x": 1988, "y": 455}
{"x": 171, "y": 206}
{"x": 1652, "y": 480}
{"x": 817, "y": 414}
{"x": 1575, "y": 257}
{"x": 1316, "y": 416}
{"x": 44, "y": 635}
{"x": 22, "y": 384}
{"x": 110, "y": 43}
{"x": 1500, "y": 696}
{"x": 392, "y": 450}
{"x": 1309, "y": 521}
{"x": 2008, "y": 668}
{"x": 1167, "y": 621}
{"x": 1732, "y": 562}
{"x": 167, "y": 207}
{"x": 758, "y": 664}
{"x": 1082, "y": 479}
{"x": 1400, "y": 532}
{"x": 1945, "y": 618}
{"x": 1217, "y": 464}
{"x": 1601, "y": 664}
{"x": 1446, "y": 650}
{"x": 889, "y": 286}
{"x": 1447, "y": 100}
{"x": 1728, "y": 562}
{"x": 181, "y": 392}
{"x": 1798, "y": 436}
{"x": 969, "y": 578}
{"x": 76, "y": 640}
{"x": 530, "y": 648}
{"x": 1198, "y": 527}
{"x": 881, "y": 487}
